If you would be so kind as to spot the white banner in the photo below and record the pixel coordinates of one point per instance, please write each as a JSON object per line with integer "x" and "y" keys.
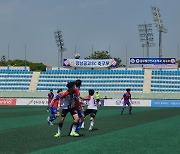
{"x": 116, "y": 102}
{"x": 41, "y": 102}
{"x": 90, "y": 63}
{"x": 165, "y": 66}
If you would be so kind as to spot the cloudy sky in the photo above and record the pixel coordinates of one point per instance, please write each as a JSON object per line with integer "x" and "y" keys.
{"x": 105, "y": 24}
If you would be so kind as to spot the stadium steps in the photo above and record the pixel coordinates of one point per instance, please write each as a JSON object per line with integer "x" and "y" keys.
{"x": 147, "y": 81}
{"x": 34, "y": 81}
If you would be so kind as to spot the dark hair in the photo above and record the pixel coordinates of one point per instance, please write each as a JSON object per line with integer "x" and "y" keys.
{"x": 70, "y": 85}
{"x": 128, "y": 89}
{"x": 51, "y": 89}
{"x": 78, "y": 83}
{"x": 59, "y": 90}
{"x": 91, "y": 92}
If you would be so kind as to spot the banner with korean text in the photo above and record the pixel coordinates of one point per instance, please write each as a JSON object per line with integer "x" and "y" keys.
{"x": 152, "y": 60}
{"x": 91, "y": 63}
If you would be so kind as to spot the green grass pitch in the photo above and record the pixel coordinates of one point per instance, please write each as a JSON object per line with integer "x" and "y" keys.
{"x": 24, "y": 129}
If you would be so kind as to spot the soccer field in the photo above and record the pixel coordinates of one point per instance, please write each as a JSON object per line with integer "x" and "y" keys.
{"x": 24, "y": 129}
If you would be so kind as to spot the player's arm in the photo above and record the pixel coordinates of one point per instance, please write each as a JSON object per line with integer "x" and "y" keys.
{"x": 77, "y": 98}
{"x": 121, "y": 99}
{"x": 130, "y": 100}
{"x": 50, "y": 105}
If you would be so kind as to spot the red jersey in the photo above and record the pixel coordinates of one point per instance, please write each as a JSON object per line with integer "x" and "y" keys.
{"x": 72, "y": 102}
{"x": 126, "y": 97}
{"x": 56, "y": 101}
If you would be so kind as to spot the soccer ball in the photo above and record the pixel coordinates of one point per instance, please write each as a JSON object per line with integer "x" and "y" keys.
{"x": 77, "y": 56}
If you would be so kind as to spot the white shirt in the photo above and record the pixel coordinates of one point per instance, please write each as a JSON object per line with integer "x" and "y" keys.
{"x": 92, "y": 104}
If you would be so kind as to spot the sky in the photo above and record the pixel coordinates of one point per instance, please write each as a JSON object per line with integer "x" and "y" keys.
{"x": 104, "y": 24}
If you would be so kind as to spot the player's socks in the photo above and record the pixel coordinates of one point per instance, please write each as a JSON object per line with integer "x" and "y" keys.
{"x": 122, "y": 110}
{"x": 60, "y": 127}
{"x": 74, "y": 127}
{"x": 53, "y": 117}
{"x": 78, "y": 126}
{"x": 91, "y": 125}
{"x": 130, "y": 109}
{"x": 70, "y": 129}
{"x": 73, "y": 133}
{"x": 82, "y": 126}
{"x": 49, "y": 122}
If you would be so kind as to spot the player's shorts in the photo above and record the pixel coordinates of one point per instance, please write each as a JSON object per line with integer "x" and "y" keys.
{"x": 54, "y": 110}
{"x": 90, "y": 111}
{"x": 73, "y": 111}
{"x": 64, "y": 112}
{"x": 126, "y": 103}
{"x": 80, "y": 113}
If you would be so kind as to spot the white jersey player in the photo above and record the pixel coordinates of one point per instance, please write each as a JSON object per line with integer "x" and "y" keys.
{"x": 91, "y": 108}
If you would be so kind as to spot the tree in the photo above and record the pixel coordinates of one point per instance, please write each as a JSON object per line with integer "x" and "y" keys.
{"x": 178, "y": 62}
{"x": 99, "y": 55}
{"x": 104, "y": 55}
{"x": 18, "y": 62}
{"x": 3, "y": 61}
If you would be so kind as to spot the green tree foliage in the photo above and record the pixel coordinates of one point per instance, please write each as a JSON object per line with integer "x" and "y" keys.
{"x": 3, "y": 61}
{"x": 18, "y": 62}
{"x": 178, "y": 62}
{"x": 104, "y": 55}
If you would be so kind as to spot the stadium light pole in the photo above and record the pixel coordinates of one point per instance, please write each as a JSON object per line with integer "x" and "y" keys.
{"x": 60, "y": 45}
{"x": 126, "y": 57}
{"x": 25, "y": 56}
{"x": 8, "y": 54}
{"x": 146, "y": 36}
{"x": 159, "y": 24}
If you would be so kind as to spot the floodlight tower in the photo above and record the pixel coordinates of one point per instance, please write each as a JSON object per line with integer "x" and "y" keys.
{"x": 159, "y": 24}
{"x": 60, "y": 45}
{"x": 146, "y": 37}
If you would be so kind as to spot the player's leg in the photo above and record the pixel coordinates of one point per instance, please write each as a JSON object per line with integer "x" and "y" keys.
{"x": 86, "y": 112}
{"x": 130, "y": 108}
{"x": 75, "y": 122}
{"x": 48, "y": 108}
{"x": 51, "y": 118}
{"x": 81, "y": 120}
{"x": 92, "y": 117}
{"x": 63, "y": 116}
{"x": 122, "y": 110}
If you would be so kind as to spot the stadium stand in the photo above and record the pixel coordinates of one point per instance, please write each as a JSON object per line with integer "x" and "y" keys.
{"x": 15, "y": 79}
{"x": 113, "y": 81}
{"x": 165, "y": 81}
{"x": 99, "y": 80}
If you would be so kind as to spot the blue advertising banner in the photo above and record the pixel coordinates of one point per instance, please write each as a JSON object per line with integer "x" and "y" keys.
{"x": 90, "y": 63}
{"x": 152, "y": 60}
{"x": 165, "y": 103}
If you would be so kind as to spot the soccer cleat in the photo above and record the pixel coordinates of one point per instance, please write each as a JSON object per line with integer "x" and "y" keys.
{"x": 74, "y": 134}
{"x": 57, "y": 135}
{"x": 90, "y": 128}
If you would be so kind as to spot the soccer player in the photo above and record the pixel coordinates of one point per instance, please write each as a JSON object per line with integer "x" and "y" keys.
{"x": 91, "y": 108}
{"x": 98, "y": 98}
{"x": 79, "y": 107}
{"x": 72, "y": 97}
{"x": 127, "y": 101}
{"x": 50, "y": 98}
{"x": 55, "y": 107}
